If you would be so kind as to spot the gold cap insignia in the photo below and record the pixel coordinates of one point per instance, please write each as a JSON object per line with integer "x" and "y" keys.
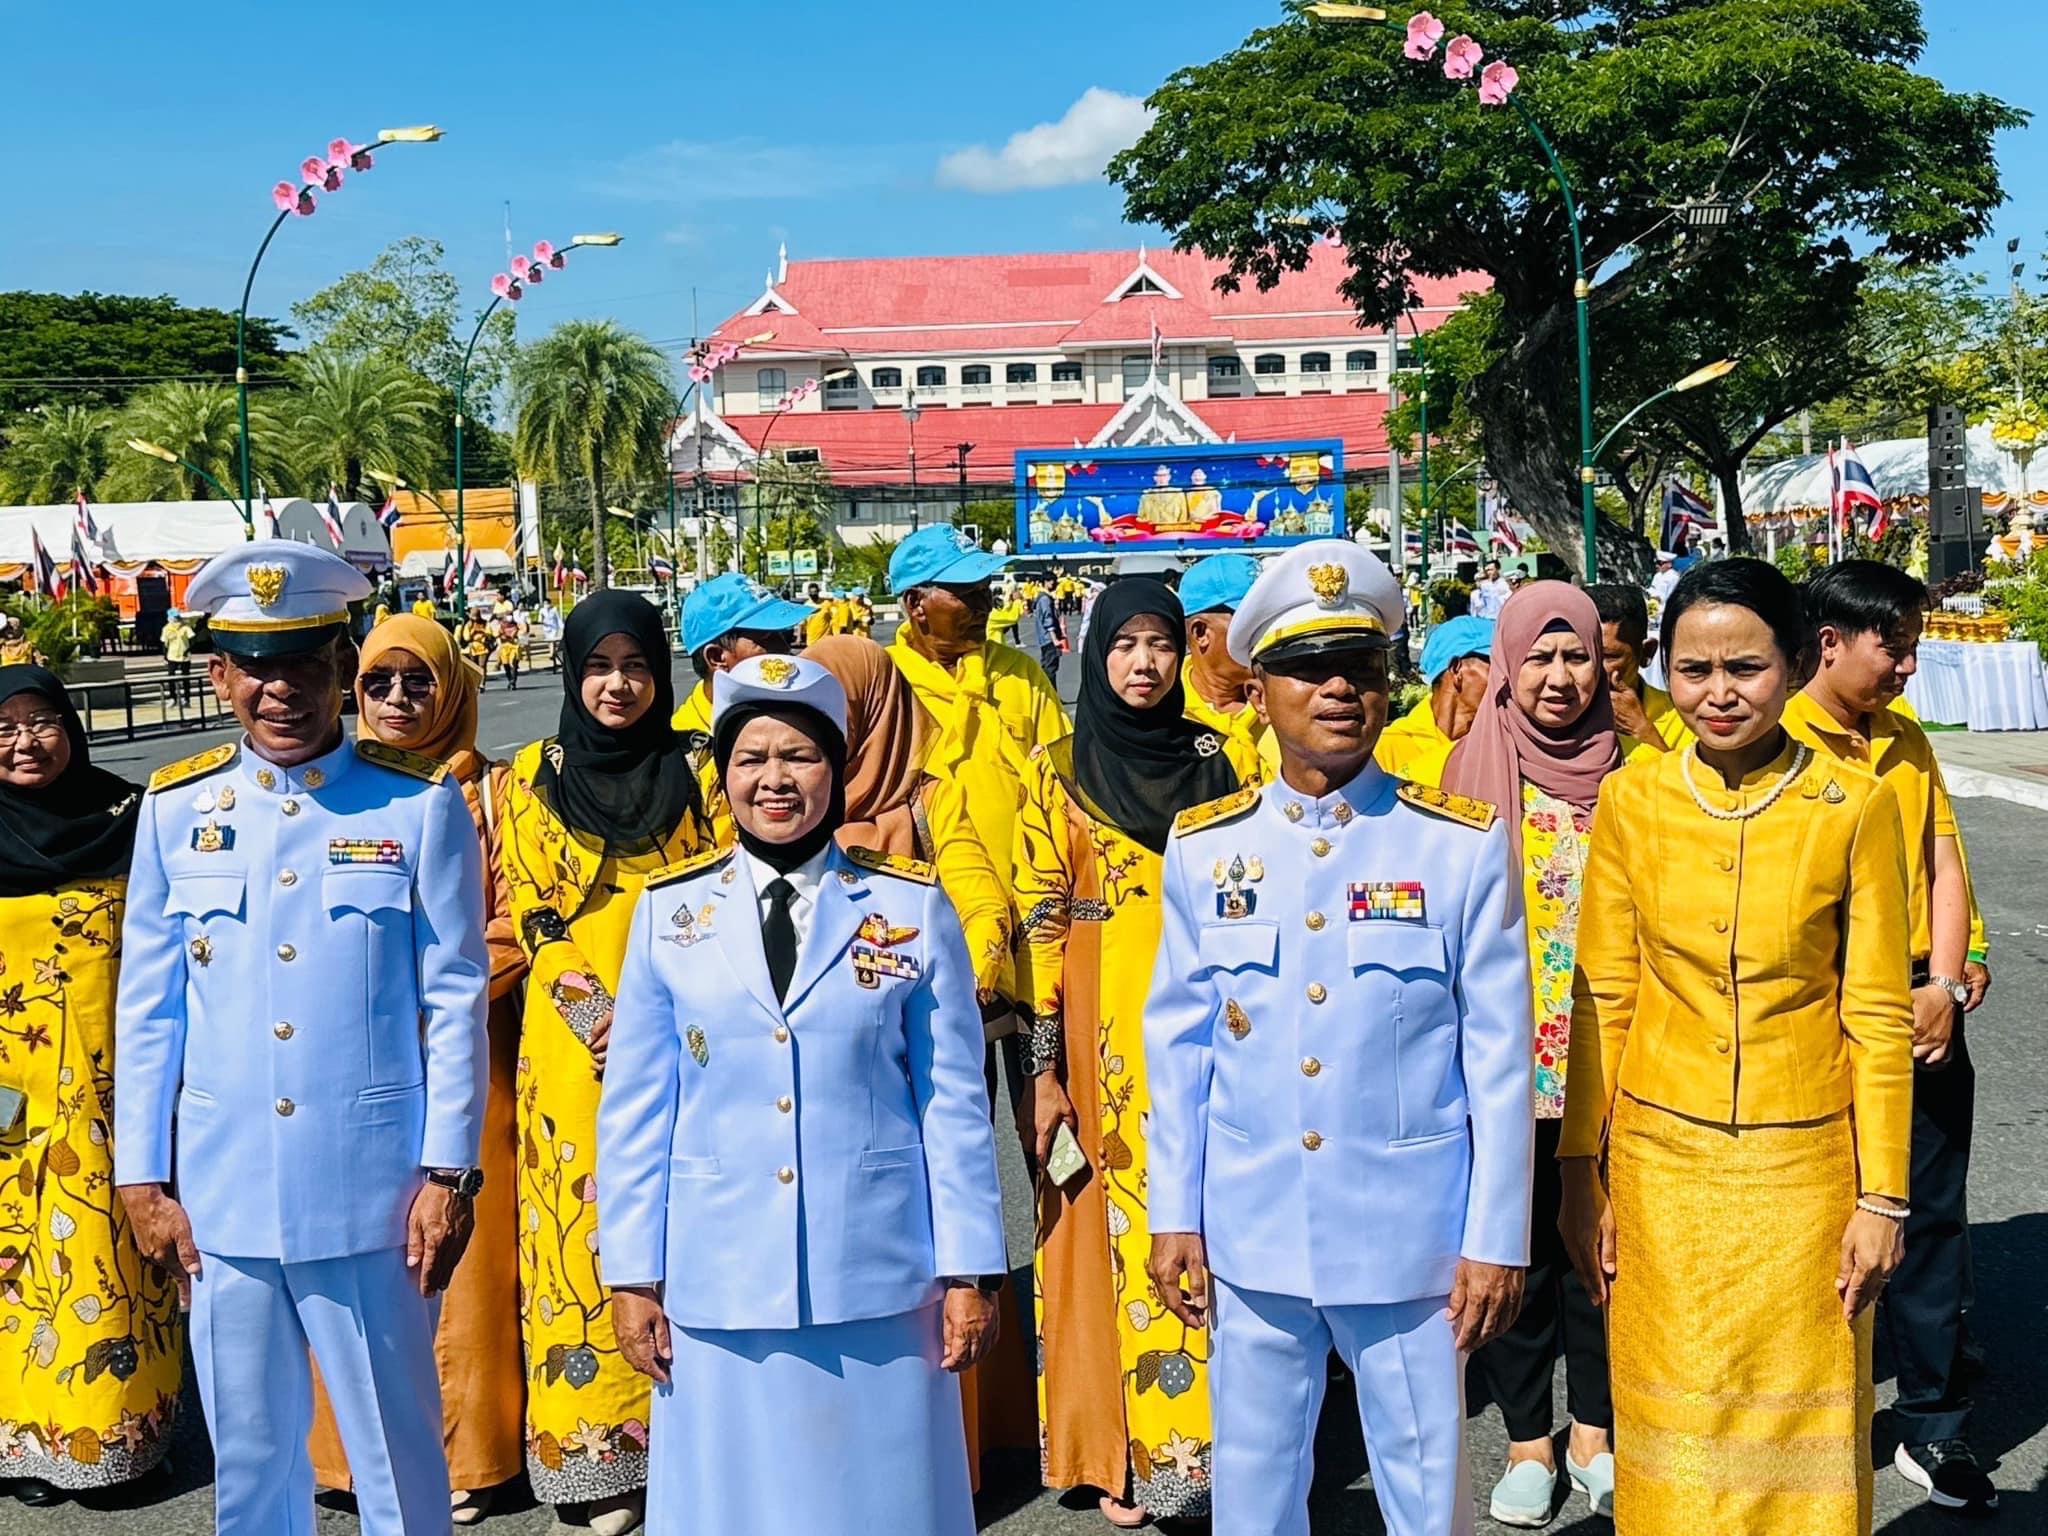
{"x": 266, "y": 584}
{"x": 1330, "y": 582}
{"x": 778, "y": 671}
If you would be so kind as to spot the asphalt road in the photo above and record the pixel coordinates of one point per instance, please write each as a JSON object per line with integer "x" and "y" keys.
{"x": 2009, "y": 1203}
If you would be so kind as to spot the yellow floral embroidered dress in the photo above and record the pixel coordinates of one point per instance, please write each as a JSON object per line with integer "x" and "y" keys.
{"x": 586, "y": 1409}
{"x": 1554, "y": 837}
{"x": 1123, "y": 1385}
{"x": 90, "y": 1335}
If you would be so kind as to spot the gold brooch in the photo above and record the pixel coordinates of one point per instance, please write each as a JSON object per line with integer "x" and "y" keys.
{"x": 266, "y": 584}
{"x": 1236, "y": 1020}
{"x": 1330, "y": 582}
{"x": 778, "y": 671}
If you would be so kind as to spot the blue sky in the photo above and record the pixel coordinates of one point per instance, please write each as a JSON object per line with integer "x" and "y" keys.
{"x": 708, "y": 134}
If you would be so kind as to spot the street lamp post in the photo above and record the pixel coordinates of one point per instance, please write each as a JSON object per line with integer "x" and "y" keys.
{"x": 157, "y": 451}
{"x": 784, "y": 406}
{"x": 505, "y": 287}
{"x": 1691, "y": 381}
{"x": 911, "y": 412}
{"x": 314, "y": 171}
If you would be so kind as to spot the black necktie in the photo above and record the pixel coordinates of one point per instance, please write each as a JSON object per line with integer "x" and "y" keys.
{"x": 778, "y": 936}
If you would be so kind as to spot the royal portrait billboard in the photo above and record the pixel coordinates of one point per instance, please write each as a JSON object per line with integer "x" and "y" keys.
{"x": 1221, "y": 496}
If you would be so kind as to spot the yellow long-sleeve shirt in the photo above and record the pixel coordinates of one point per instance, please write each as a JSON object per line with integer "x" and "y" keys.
{"x": 1746, "y": 972}
{"x": 1409, "y": 737}
{"x": 1241, "y": 726}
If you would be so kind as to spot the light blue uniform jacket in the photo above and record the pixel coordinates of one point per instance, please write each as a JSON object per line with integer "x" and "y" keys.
{"x": 1341, "y": 1096}
{"x": 310, "y": 1021}
{"x": 819, "y": 1161}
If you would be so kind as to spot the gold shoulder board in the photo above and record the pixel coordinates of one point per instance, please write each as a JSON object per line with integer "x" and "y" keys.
{"x": 209, "y": 761}
{"x": 418, "y": 764}
{"x": 895, "y": 864}
{"x": 1209, "y": 812}
{"x": 1439, "y": 802}
{"x": 695, "y": 864}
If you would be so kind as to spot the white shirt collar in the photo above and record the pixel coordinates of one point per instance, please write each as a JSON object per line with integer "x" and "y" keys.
{"x": 806, "y": 877}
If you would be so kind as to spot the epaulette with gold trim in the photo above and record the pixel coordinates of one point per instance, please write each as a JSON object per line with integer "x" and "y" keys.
{"x": 695, "y": 864}
{"x": 1441, "y": 802}
{"x": 418, "y": 764}
{"x": 1209, "y": 812}
{"x": 895, "y": 864}
{"x": 209, "y": 761}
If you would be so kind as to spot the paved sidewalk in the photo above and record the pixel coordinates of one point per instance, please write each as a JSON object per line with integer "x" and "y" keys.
{"x": 2005, "y": 765}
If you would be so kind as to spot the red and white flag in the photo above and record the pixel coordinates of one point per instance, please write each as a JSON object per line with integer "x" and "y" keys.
{"x": 330, "y": 515}
{"x": 1158, "y": 344}
{"x": 48, "y": 581}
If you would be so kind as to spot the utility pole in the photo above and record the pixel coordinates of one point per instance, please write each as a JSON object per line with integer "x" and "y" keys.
{"x": 962, "y": 450}
{"x": 910, "y": 420}
{"x": 1397, "y": 555}
{"x": 2019, "y": 377}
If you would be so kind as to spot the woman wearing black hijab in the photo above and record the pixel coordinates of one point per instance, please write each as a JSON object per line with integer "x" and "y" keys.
{"x": 592, "y": 812}
{"x": 76, "y": 1289}
{"x": 1125, "y": 1387}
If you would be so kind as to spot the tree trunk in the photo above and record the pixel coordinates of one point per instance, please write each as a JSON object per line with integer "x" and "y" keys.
{"x": 1728, "y": 472}
{"x": 600, "y": 574}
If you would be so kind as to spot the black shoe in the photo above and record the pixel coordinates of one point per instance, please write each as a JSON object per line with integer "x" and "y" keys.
{"x": 36, "y": 1493}
{"x": 1948, "y": 1470}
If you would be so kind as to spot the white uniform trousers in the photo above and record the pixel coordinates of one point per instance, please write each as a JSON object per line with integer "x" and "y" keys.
{"x": 1267, "y": 1372}
{"x": 363, "y": 1318}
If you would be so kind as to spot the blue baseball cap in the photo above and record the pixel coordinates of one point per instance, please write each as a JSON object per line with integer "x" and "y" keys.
{"x": 941, "y": 554}
{"x": 730, "y": 602}
{"x": 1452, "y": 639}
{"x": 1220, "y": 581}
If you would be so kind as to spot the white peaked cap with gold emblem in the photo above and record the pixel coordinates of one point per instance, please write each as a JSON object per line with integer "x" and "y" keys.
{"x": 274, "y": 597}
{"x": 775, "y": 680}
{"x": 1325, "y": 595}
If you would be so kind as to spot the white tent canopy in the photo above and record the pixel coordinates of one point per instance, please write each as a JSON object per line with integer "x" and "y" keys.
{"x": 1898, "y": 465}
{"x": 186, "y": 530}
{"x": 432, "y": 562}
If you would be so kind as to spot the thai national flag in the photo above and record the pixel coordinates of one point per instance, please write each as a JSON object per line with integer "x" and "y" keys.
{"x": 330, "y": 515}
{"x": 1684, "y": 515}
{"x": 388, "y": 514}
{"x": 1855, "y": 488}
{"x": 88, "y": 530}
{"x": 48, "y": 581}
{"x": 1460, "y": 540}
{"x": 1158, "y": 343}
{"x": 1505, "y": 535}
{"x": 576, "y": 572}
{"x": 449, "y": 572}
{"x": 270, "y": 516}
{"x": 473, "y": 573}
{"x": 86, "y": 578}
{"x": 662, "y": 568}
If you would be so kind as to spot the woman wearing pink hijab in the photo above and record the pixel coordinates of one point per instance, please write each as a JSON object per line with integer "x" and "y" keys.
{"x": 1540, "y": 746}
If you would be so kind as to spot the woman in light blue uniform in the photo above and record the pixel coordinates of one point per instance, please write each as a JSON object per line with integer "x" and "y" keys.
{"x": 799, "y": 1215}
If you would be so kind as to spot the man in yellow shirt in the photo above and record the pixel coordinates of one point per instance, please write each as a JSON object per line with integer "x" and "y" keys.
{"x": 1867, "y": 618}
{"x": 726, "y": 620}
{"x": 1640, "y": 711}
{"x": 1454, "y": 660}
{"x": 1216, "y": 682}
{"x": 423, "y": 607}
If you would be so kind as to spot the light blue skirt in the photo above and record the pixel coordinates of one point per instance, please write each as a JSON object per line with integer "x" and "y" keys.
{"x": 835, "y": 1427}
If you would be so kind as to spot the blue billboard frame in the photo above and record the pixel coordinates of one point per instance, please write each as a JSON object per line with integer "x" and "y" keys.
{"x": 1231, "y": 497}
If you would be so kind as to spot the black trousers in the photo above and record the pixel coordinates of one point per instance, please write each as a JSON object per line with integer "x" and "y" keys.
{"x": 1049, "y": 658}
{"x": 1920, "y": 1313}
{"x": 1516, "y": 1367}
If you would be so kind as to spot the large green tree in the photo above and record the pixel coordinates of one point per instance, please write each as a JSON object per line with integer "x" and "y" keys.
{"x": 197, "y": 422}
{"x": 406, "y": 306}
{"x": 593, "y": 403}
{"x": 55, "y": 452}
{"x": 1807, "y": 114}
{"x": 99, "y": 348}
{"x": 343, "y": 418}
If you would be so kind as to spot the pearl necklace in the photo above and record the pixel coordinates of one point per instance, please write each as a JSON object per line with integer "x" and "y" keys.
{"x": 1801, "y": 756}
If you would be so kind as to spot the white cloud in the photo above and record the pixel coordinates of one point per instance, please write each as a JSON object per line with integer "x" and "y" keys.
{"x": 1074, "y": 149}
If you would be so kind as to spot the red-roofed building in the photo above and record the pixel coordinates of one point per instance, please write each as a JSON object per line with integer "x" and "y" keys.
{"x": 936, "y": 370}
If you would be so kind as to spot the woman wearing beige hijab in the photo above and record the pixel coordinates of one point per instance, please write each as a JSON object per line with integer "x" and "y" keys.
{"x": 414, "y": 691}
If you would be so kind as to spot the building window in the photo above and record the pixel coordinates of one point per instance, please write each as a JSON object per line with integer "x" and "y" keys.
{"x": 1020, "y": 373}
{"x": 771, "y": 382}
{"x": 1407, "y": 357}
{"x": 1225, "y": 366}
{"x": 1269, "y": 363}
{"x": 1362, "y": 361}
{"x": 843, "y": 391}
{"x": 1315, "y": 362}
{"x": 888, "y": 378}
{"x": 1066, "y": 373}
{"x": 1137, "y": 369}
{"x": 975, "y": 373}
{"x": 931, "y": 378}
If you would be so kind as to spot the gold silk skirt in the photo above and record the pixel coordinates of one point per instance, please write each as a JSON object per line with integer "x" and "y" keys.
{"x": 1742, "y": 1401}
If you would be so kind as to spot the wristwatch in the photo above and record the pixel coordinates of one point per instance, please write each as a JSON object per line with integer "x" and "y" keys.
{"x": 1958, "y": 990}
{"x": 467, "y": 1183}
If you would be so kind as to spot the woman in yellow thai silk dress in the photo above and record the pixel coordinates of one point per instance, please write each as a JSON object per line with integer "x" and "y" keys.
{"x": 592, "y": 812}
{"x": 89, "y": 1333}
{"x": 1741, "y": 1044}
{"x": 1123, "y": 1386}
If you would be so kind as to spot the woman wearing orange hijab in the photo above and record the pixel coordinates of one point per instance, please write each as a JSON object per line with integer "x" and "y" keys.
{"x": 414, "y": 691}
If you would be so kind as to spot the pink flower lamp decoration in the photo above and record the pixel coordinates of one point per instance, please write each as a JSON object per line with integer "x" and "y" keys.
{"x": 505, "y": 288}
{"x": 544, "y": 251}
{"x": 1423, "y": 32}
{"x": 1497, "y": 83}
{"x": 1461, "y": 57}
{"x": 291, "y": 199}
{"x": 346, "y": 156}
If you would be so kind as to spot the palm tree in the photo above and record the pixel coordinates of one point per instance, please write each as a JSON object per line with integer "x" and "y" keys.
{"x": 196, "y": 422}
{"x": 344, "y": 416}
{"x": 53, "y": 454}
{"x": 594, "y": 402}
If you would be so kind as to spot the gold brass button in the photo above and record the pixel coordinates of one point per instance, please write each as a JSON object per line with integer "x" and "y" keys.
{"x": 290, "y": 807}
{"x": 781, "y": 1035}
{"x": 314, "y": 778}
{"x": 1310, "y": 1067}
{"x": 1720, "y": 925}
{"x": 1292, "y": 810}
{"x": 1315, "y": 922}
{"x": 786, "y": 1175}
{"x": 785, "y": 1104}
{"x": 287, "y": 877}
{"x": 1311, "y": 1139}
{"x": 1317, "y": 992}
{"x": 1721, "y": 1046}
{"x": 1320, "y": 847}
{"x": 286, "y": 952}
{"x": 285, "y": 1107}
{"x": 266, "y": 778}
{"x": 1343, "y": 813}
{"x": 1724, "y": 862}
{"x": 1720, "y": 983}
{"x": 283, "y": 1030}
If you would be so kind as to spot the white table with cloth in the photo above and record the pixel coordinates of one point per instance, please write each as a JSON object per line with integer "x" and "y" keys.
{"x": 1987, "y": 686}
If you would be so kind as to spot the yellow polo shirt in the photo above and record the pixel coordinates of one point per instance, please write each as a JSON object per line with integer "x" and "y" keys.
{"x": 1411, "y": 737}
